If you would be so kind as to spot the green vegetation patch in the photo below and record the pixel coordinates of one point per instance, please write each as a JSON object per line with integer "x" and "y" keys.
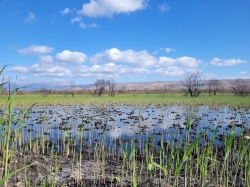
{"x": 128, "y": 99}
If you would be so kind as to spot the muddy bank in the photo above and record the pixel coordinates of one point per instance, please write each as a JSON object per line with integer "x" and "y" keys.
{"x": 89, "y": 172}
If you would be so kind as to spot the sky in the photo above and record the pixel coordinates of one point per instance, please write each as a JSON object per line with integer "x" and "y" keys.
{"x": 57, "y": 42}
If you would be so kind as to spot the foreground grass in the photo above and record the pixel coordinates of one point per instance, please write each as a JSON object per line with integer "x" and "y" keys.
{"x": 139, "y": 99}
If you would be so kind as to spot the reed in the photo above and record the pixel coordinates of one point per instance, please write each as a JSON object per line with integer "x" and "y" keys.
{"x": 10, "y": 139}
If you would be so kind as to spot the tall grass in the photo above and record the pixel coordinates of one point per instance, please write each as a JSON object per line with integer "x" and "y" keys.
{"x": 9, "y": 141}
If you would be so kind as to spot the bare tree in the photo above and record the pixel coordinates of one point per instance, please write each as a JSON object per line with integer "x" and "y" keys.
{"x": 146, "y": 90}
{"x": 239, "y": 87}
{"x": 163, "y": 91}
{"x": 111, "y": 85}
{"x": 96, "y": 88}
{"x": 193, "y": 83}
{"x": 216, "y": 86}
{"x": 134, "y": 91}
{"x": 72, "y": 88}
{"x": 45, "y": 92}
{"x": 100, "y": 86}
{"x": 213, "y": 86}
{"x": 65, "y": 92}
{"x": 122, "y": 89}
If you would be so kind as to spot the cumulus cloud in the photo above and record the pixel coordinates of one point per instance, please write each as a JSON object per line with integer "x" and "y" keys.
{"x": 168, "y": 50}
{"x": 76, "y": 19}
{"x": 136, "y": 58}
{"x": 164, "y": 8}
{"x": 184, "y": 61}
{"x": 39, "y": 70}
{"x": 56, "y": 71}
{"x": 46, "y": 58}
{"x": 31, "y": 18}
{"x": 110, "y": 63}
{"x": 99, "y": 8}
{"x": 83, "y": 25}
{"x": 65, "y": 11}
{"x": 228, "y": 62}
{"x": 243, "y": 72}
{"x": 109, "y": 70}
{"x": 173, "y": 71}
{"x": 71, "y": 57}
{"x": 142, "y": 59}
{"x": 19, "y": 69}
{"x": 35, "y": 50}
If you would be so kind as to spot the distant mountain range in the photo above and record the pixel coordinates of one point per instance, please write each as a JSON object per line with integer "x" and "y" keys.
{"x": 54, "y": 87}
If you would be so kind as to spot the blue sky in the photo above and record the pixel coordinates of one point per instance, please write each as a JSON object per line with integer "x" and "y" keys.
{"x": 55, "y": 42}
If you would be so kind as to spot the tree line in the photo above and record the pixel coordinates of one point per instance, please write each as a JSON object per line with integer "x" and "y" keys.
{"x": 194, "y": 84}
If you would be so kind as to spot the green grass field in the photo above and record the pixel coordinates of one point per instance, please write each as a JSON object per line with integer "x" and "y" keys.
{"x": 139, "y": 99}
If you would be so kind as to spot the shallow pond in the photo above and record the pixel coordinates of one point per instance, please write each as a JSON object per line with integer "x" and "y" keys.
{"x": 117, "y": 125}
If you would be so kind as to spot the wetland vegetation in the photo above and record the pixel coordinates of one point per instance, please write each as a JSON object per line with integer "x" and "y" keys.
{"x": 142, "y": 140}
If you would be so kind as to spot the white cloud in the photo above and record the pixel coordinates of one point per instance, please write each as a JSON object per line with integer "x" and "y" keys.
{"x": 229, "y": 62}
{"x": 19, "y": 69}
{"x": 184, "y": 61}
{"x": 168, "y": 50}
{"x": 46, "y": 58}
{"x": 99, "y": 8}
{"x": 85, "y": 26}
{"x": 38, "y": 70}
{"x": 138, "y": 59}
{"x": 71, "y": 57}
{"x": 106, "y": 71}
{"x": 81, "y": 24}
{"x": 31, "y": 18}
{"x": 141, "y": 59}
{"x": 36, "y": 50}
{"x": 243, "y": 72}
{"x": 173, "y": 71}
{"x": 76, "y": 19}
{"x": 164, "y": 8}
{"x": 96, "y": 71}
{"x": 132, "y": 63}
{"x": 56, "y": 71}
{"x": 65, "y": 11}
{"x": 111, "y": 63}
